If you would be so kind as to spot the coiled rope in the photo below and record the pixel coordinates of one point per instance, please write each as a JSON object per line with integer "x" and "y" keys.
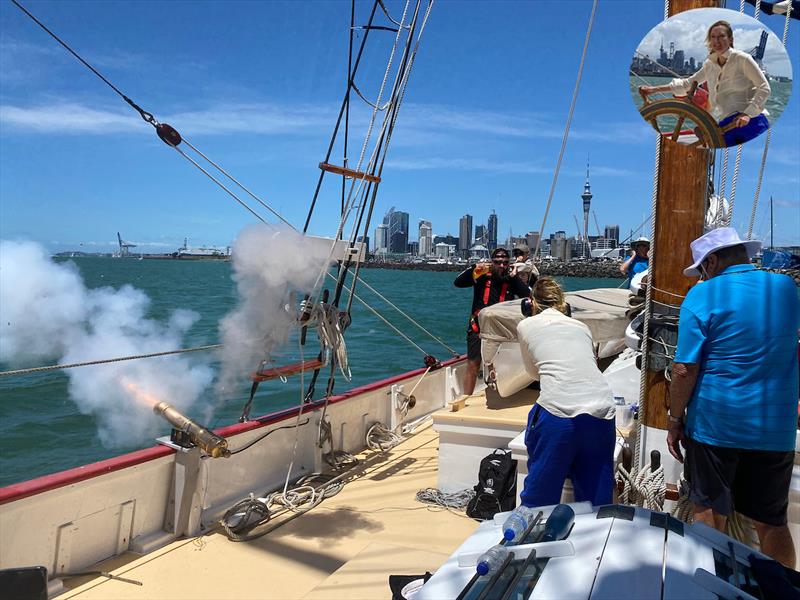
{"x": 646, "y": 489}
{"x": 381, "y": 438}
{"x": 452, "y": 500}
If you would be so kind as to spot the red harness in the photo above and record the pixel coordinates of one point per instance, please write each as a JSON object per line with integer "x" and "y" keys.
{"x": 473, "y": 322}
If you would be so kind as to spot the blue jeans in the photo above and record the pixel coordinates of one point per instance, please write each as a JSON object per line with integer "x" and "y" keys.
{"x": 581, "y": 448}
{"x": 740, "y": 135}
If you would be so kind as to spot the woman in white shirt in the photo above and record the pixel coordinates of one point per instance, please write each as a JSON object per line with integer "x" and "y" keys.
{"x": 570, "y": 429}
{"x": 737, "y": 88}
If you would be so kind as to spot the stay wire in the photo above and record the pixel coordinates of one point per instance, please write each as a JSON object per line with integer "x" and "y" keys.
{"x": 234, "y": 180}
{"x": 567, "y": 127}
{"x": 143, "y": 113}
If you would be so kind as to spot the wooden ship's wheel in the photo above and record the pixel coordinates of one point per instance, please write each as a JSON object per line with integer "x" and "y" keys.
{"x": 709, "y": 134}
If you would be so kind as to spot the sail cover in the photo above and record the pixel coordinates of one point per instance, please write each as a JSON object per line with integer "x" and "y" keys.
{"x": 602, "y": 310}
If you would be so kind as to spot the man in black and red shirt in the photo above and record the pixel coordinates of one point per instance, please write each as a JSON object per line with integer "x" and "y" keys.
{"x": 491, "y": 283}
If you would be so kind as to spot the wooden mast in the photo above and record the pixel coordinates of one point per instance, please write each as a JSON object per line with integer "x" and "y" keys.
{"x": 679, "y": 215}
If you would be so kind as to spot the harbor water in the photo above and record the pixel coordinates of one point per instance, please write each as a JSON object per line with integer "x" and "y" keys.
{"x": 43, "y": 431}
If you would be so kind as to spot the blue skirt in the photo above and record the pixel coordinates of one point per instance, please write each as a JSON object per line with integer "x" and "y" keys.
{"x": 740, "y": 135}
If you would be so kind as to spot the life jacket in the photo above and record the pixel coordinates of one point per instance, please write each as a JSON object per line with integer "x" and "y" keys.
{"x": 473, "y": 322}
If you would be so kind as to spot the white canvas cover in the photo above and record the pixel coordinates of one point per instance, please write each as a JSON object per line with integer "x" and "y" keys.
{"x": 602, "y": 310}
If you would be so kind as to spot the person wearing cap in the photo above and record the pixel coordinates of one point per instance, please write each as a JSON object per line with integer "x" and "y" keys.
{"x": 523, "y": 266}
{"x": 491, "y": 283}
{"x": 734, "y": 389}
{"x": 637, "y": 262}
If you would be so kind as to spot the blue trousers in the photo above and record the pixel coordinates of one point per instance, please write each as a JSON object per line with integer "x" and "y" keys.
{"x": 581, "y": 448}
{"x": 739, "y": 135}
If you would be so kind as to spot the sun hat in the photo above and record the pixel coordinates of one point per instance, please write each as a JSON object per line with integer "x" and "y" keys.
{"x": 641, "y": 240}
{"x": 717, "y": 239}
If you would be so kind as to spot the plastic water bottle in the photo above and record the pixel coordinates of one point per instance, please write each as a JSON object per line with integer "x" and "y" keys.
{"x": 516, "y": 523}
{"x": 491, "y": 560}
{"x": 558, "y": 523}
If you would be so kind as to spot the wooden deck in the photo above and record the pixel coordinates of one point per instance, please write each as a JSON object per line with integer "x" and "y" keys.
{"x": 344, "y": 548}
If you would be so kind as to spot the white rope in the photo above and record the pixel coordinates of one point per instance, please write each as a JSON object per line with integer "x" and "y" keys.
{"x": 758, "y": 185}
{"x": 413, "y": 322}
{"x": 381, "y": 438}
{"x": 388, "y": 324}
{"x": 734, "y": 181}
{"x": 246, "y": 190}
{"x": 566, "y": 128}
{"x": 724, "y": 176}
{"x": 647, "y": 311}
{"x": 647, "y": 489}
{"x": 436, "y": 497}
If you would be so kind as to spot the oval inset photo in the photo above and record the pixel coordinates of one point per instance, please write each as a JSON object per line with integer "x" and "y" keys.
{"x": 711, "y": 77}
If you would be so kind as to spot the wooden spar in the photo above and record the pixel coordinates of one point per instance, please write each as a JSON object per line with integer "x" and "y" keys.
{"x": 679, "y": 216}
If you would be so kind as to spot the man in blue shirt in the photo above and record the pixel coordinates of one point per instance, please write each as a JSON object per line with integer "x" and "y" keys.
{"x": 637, "y": 262}
{"x": 736, "y": 371}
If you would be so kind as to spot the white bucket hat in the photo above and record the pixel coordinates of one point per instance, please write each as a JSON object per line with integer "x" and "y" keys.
{"x": 717, "y": 239}
{"x": 641, "y": 240}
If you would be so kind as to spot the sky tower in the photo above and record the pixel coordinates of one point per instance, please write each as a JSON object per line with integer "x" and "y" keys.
{"x": 587, "y": 200}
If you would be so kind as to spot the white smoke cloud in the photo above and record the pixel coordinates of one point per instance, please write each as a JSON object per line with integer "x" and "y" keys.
{"x": 269, "y": 264}
{"x": 47, "y": 313}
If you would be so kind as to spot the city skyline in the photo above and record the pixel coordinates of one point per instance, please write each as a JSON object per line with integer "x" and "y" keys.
{"x": 79, "y": 164}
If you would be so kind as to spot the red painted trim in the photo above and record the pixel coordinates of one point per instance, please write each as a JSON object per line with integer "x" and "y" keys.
{"x": 47, "y": 483}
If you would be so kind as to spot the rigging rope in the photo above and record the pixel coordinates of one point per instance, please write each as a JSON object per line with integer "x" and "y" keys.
{"x": 415, "y": 323}
{"x": 377, "y": 314}
{"x": 734, "y": 181}
{"x": 758, "y": 185}
{"x": 647, "y": 313}
{"x": 107, "y": 360}
{"x": 566, "y": 128}
{"x": 769, "y": 131}
{"x": 143, "y": 113}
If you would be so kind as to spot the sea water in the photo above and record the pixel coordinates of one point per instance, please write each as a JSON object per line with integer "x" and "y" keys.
{"x": 42, "y": 430}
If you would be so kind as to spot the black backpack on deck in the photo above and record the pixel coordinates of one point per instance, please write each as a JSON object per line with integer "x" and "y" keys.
{"x": 497, "y": 486}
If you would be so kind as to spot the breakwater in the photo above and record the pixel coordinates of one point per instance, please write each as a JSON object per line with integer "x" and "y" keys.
{"x": 553, "y": 268}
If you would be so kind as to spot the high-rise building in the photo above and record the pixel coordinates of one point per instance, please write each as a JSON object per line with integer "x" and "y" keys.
{"x": 612, "y": 233}
{"x": 481, "y": 235}
{"x": 492, "y": 241}
{"x": 425, "y": 238}
{"x": 398, "y": 232}
{"x": 465, "y": 235}
{"x": 364, "y": 239}
{"x": 381, "y": 238}
{"x": 587, "y": 200}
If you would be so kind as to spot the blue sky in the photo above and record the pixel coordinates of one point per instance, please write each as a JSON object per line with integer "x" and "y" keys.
{"x": 257, "y": 85}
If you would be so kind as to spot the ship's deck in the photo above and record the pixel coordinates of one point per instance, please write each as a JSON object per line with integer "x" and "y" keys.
{"x": 344, "y": 548}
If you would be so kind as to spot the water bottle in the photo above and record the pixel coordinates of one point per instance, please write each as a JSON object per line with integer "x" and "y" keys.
{"x": 491, "y": 560}
{"x": 558, "y": 523}
{"x": 516, "y": 523}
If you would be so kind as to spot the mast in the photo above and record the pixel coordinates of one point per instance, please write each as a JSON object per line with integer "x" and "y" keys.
{"x": 681, "y": 194}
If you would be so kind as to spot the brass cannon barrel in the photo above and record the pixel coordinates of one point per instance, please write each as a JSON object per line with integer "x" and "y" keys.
{"x": 212, "y": 444}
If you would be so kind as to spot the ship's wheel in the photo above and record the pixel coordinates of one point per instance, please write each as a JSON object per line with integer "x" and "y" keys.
{"x": 708, "y": 133}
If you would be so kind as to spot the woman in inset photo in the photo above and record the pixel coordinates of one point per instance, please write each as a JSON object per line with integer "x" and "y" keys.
{"x": 737, "y": 88}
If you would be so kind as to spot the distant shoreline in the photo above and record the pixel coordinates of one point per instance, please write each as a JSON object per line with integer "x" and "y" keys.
{"x": 553, "y": 268}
